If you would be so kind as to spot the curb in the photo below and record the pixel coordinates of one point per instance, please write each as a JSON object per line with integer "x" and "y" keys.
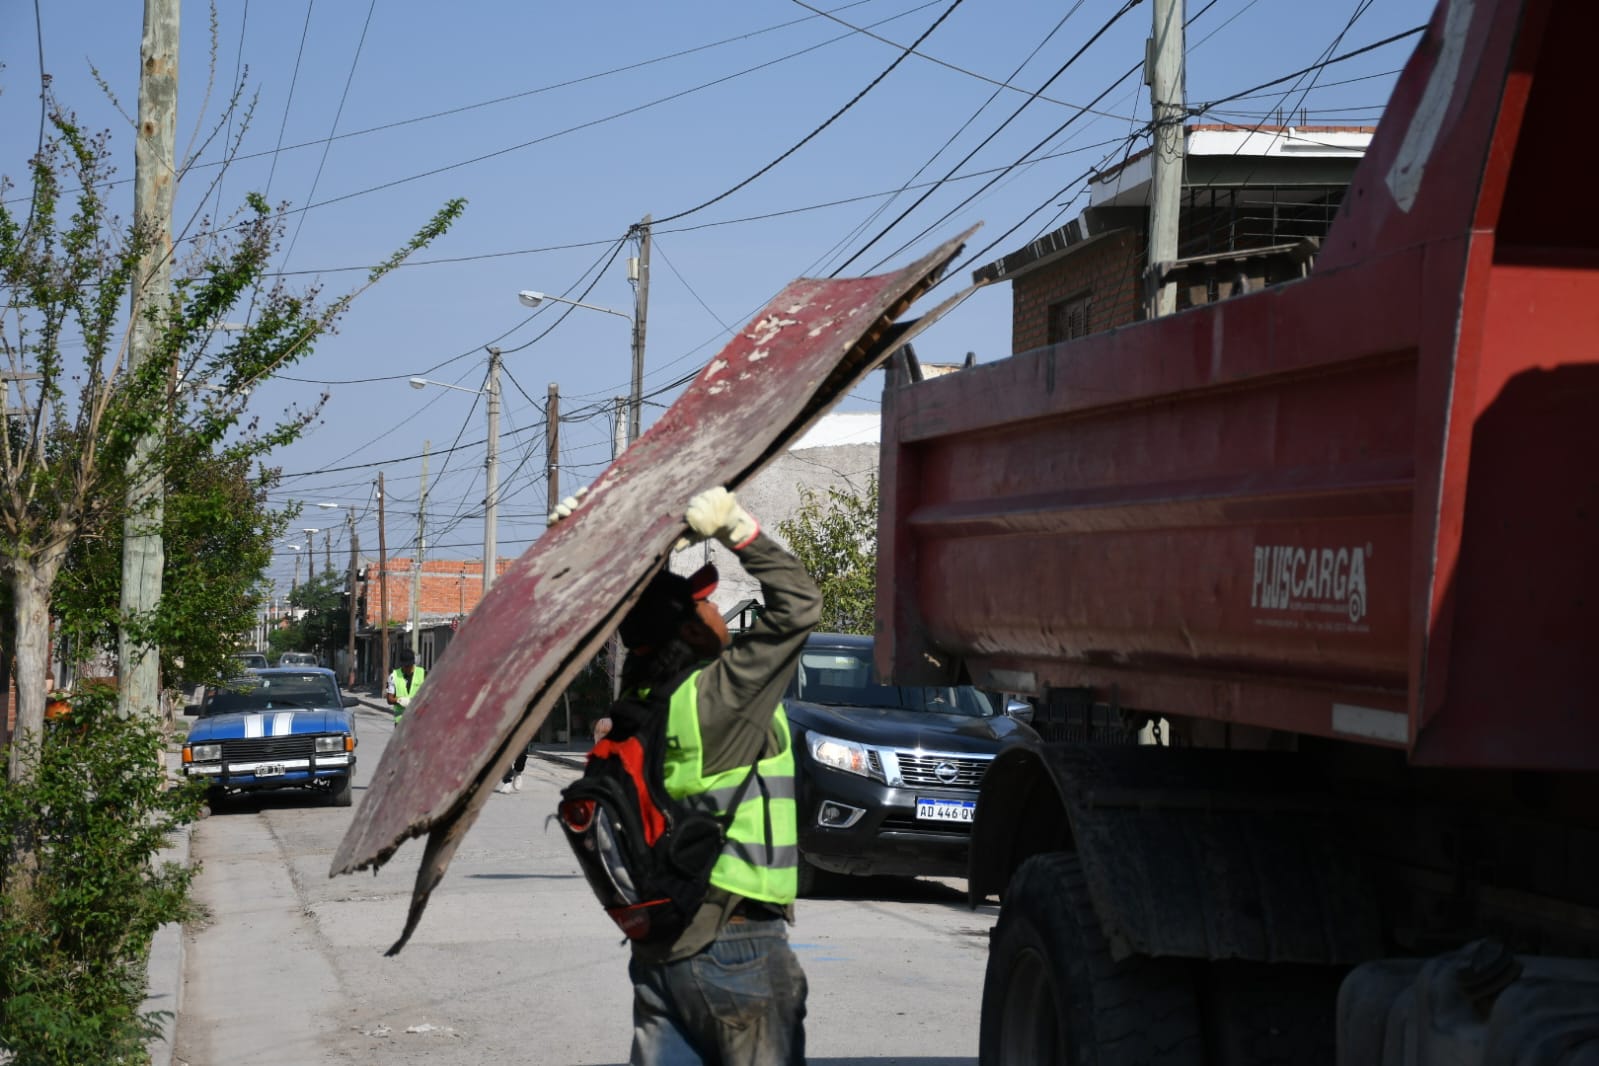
{"x": 164, "y": 970}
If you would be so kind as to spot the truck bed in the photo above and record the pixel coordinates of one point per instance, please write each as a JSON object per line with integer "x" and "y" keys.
{"x": 1364, "y": 505}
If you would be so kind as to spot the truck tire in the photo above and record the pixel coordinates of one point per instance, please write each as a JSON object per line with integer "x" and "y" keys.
{"x": 1053, "y": 996}
{"x": 342, "y": 794}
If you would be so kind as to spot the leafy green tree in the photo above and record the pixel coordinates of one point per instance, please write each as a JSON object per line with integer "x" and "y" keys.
{"x": 325, "y": 623}
{"x": 218, "y": 527}
{"x": 837, "y": 542}
{"x": 67, "y": 267}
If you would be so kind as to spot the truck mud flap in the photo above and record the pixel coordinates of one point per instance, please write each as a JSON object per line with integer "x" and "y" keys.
{"x": 553, "y": 609}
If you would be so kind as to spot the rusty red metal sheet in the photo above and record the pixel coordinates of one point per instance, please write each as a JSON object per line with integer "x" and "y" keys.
{"x": 556, "y": 605}
{"x": 1174, "y": 511}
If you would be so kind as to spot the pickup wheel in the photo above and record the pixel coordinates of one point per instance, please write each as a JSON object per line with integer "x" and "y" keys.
{"x": 1053, "y": 996}
{"x": 342, "y": 794}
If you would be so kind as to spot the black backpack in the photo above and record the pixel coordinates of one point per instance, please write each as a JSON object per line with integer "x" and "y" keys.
{"x": 647, "y": 856}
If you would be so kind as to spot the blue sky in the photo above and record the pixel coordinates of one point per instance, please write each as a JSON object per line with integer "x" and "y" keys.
{"x": 563, "y": 124}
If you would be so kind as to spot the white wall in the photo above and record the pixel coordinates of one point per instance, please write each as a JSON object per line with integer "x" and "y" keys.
{"x": 839, "y": 451}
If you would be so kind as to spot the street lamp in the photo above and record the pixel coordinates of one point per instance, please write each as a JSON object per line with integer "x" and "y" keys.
{"x": 532, "y": 298}
{"x": 491, "y": 461}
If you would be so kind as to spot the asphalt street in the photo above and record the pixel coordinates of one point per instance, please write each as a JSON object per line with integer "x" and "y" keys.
{"x": 514, "y": 962}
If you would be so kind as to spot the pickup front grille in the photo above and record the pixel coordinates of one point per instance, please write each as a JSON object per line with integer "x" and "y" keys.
{"x": 920, "y": 768}
{"x": 257, "y": 748}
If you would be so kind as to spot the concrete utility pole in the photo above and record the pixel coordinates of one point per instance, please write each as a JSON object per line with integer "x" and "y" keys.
{"x": 421, "y": 552}
{"x": 154, "y": 178}
{"x": 383, "y": 590}
{"x": 355, "y": 554}
{"x": 1163, "y": 73}
{"x": 491, "y": 474}
{"x": 639, "y": 275}
{"x": 552, "y": 445}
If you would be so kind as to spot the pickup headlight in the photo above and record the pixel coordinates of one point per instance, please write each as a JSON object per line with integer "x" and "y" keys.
{"x": 844, "y": 755}
{"x": 342, "y": 742}
{"x": 205, "y": 752}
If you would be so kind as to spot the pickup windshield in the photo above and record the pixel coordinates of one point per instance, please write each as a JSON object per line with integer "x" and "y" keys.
{"x": 273, "y": 693}
{"x": 842, "y": 677}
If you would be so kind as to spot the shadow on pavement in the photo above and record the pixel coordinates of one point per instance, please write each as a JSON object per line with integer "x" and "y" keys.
{"x": 890, "y": 889}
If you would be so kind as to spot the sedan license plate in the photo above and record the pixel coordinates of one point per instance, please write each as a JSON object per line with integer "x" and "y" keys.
{"x": 941, "y": 810}
{"x": 269, "y": 769}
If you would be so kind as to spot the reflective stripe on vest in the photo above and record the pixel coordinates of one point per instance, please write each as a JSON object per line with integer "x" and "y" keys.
{"x": 761, "y": 857}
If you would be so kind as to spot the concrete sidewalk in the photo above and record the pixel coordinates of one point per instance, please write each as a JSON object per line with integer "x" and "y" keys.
{"x": 165, "y": 968}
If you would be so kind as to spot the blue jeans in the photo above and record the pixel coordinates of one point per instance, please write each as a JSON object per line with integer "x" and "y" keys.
{"x": 740, "y": 1002}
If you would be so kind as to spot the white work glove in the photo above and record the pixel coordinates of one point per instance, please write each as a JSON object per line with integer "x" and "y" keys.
{"x": 715, "y": 513}
{"x": 565, "y": 508}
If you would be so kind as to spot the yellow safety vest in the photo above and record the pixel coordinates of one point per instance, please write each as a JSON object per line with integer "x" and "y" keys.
{"x": 761, "y": 857}
{"x": 401, "y": 689}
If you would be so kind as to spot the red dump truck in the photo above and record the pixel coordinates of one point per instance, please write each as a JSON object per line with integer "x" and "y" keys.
{"x": 1304, "y": 585}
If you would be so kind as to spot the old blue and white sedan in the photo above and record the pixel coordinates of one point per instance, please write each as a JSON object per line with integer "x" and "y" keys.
{"x": 285, "y": 727}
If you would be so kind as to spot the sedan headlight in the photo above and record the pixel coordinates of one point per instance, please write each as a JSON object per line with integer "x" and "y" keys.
{"x": 342, "y": 742}
{"x": 844, "y": 755}
{"x": 205, "y": 752}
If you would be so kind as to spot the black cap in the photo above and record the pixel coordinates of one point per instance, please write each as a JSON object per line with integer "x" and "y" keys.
{"x": 407, "y": 657}
{"x": 667, "y": 600}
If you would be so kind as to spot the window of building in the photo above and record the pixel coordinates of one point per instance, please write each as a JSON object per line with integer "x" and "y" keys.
{"x": 1069, "y": 318}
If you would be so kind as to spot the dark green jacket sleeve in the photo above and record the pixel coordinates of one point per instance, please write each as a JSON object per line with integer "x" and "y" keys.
{"x": 739, "y": 690}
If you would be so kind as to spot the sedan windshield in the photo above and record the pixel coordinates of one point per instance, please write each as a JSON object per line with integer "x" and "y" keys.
{"x": 280, "y": 692}
{"x": 842, "y": 677}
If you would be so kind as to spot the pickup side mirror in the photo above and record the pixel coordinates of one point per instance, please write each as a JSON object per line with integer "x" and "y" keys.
{"x": 1020, "y": 710}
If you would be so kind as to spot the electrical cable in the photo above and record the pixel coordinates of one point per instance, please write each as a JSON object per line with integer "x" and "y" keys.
{"x": 831, "y": 119}
{"x": 337, "y": 114}
{"x": 997, "y": 83}
{"x": 1197, "y": 111}
{"x": 288, "y": 102}
{"x": 877, "y": 212}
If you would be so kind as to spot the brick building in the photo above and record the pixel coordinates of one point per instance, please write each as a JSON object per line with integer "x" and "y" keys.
{"x": 1256, "y": 203}
{"x": 448, "y": 591}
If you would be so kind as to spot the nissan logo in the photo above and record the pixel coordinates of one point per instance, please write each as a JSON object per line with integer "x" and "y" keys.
{"x": 946, "y": 772}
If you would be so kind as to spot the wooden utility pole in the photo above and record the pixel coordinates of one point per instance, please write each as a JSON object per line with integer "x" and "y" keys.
{"x": 1163, "y": 72}
{"x": 552, "y": 445}
{"x": 154, "y": 178}
{"x": 640, "y": 277}
{"x": 491, "y": 475}
{"x": 619, "y": 443}
{"x": 383, "y": 590}
{"x": 355, "y": 555}
{"x": 421, "y": 552}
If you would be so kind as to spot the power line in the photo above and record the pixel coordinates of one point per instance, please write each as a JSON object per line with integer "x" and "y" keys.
{"x": 1197, "y": 111}
{"x": 997, "y": 83}
{"x": 831, "y": 119}
{"x": 288, "y": 102}
{"x": 1127, "y": 6}
{"x": 338, "y": 112}
{"x": 877, "y": 212}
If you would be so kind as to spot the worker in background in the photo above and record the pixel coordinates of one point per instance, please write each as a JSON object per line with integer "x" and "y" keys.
{"x": 729, "y": 990}
{"x": 403, "y": 682}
